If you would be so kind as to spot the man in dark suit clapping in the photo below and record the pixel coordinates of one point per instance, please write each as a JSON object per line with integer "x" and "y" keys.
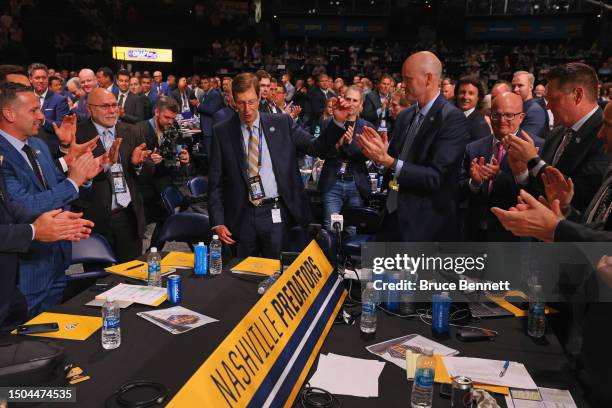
{"x": 256, "y": 193}
{"x": 424, "y": 155}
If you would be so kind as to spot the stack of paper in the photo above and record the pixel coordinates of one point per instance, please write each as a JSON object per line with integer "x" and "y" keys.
{"x": 146, "y": 295}
{"x": 546, "y": 398}
{"x": 347, "y": 375}
{"x": 174, "y": 259}
{"x": 136, "y": 270}
{"x": 485, "y": 371}
{"x": 176, "y": 319}
{"x": 394, "y": 350}
{"x": 257, "y": 267}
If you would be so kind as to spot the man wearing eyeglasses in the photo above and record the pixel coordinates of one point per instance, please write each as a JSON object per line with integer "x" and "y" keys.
{"x": 114, "y": 202}
{"x": 486, "y": 177}
{"x": 256, "y": 193}
{"x": 573, "y": 147}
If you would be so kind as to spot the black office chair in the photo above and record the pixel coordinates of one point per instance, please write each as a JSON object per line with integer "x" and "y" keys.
{"x": 94, "y": 250}
{"x": 367, "y": 221}
{"x": 185, "y": 227}
{"x": 174, "y": 201}
{"x": 198, "y": 186}
{"x": 298, "y": 240}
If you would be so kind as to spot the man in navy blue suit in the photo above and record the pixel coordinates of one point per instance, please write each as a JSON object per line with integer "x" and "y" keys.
{"x": 53, "y": 106}
{"x": 256, "y": 193}
{"x": 536, "y": 117}
{"x": 423, "y": 159}
{"x": 87, "y": 79}
{"x": 158, "y": 87}
{"x": 486, "y": 179}
{"x": 106, "y": 79}
{"x": 211, "y": 102}
{"x": 469, "y": 95}
{"x": 34, "y": 182}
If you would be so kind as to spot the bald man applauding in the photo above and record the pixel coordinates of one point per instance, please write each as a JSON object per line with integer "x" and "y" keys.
{"x": 423, "y": 159}
{"x": 113, "y": 202}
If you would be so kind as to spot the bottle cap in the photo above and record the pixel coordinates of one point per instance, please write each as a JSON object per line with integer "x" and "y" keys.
{"x": 200, "y": 244}
{"x": 215, "y": 236}
{"x": 370, "y": 285}
{"x": 428, "y": 351}
{"x": 110, "y": 299}
{"x": 153, "y": 250}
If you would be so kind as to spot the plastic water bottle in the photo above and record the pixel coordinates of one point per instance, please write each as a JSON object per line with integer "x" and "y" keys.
{"x": 422, "y": 388}
{"x": 201, "y": 259}
{"x": 216, "y": 263}
{"x": 440, "y": 310}
{"x": 368, "y": 309}
{"x": 536, "y": 321}
{"x": 154, "y": 268}
{"x": 111, "y": 330}
{"x": 267, "y": 283}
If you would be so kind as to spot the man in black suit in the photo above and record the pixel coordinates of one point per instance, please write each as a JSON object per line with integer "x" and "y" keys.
{"x": 106, "y": 79}
{"x": 486, "y": 178}
{"x": 136, "y": 89}
{"x": 573, "y": 148}
{"x": 318, "y": 96}
{"x": 132, "y": 107}
{"x": 256, "y": 193}
{"x": 425, "y": 153}
{"x": 536, "y": 117}
{"x": 113, "y": 201}
{"x": 18, "y": 228}
{"x": 265, "y": 82}
{"x": 377, "y": 103}
{"x": 183, "y": 96}
{"x": 469, "y": 95}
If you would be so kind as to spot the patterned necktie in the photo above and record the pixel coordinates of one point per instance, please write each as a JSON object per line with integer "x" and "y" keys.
{"x": 567, "y": 138}
{"x": 253, "y": 154}
{"x": 408, "y": 140}
{"x": 601, "y": 210}
{"x": 499, "y": 156}
{"x": 35, "y": 165}
{"x": 123, "y": 199}
{"x": 121, "y": 99}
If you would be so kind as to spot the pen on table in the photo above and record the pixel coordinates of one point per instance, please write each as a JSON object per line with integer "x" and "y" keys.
{"x": 134, "y": 267}
{"x": 505, "y": 368}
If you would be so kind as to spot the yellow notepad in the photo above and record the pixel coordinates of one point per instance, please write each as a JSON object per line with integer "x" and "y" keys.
{"x": 71, "y": 327}
{"x": 257, "y": 266}
{"x": 501, "y": 301}
{"x": 178, "y": 260}
{"x": 136, "y": 269}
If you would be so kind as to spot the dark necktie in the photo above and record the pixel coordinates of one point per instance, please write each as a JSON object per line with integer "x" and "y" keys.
{"x": 121, "y": 98}
{"x": 408, "y": 140}
{"x": 567, "y": 138}
{"x": 35, "y": 165}
{"x": 601, "y": 210}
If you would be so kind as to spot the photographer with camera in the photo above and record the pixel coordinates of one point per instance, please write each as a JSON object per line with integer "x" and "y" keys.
{"x": 169, "y": 161}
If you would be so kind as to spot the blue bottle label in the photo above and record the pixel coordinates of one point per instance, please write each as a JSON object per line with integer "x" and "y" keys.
{"x": 153, "y": 267}
{"x": 538, "y": 310}
{"x": 111, "y": 322}
{"x": 369, "y": 307}
{"x": 424, "y": 377}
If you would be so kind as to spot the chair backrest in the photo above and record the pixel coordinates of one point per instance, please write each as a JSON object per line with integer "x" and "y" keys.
{"x": 366, "y": 219}
{"x": 184, "y": 227}
{"x": 197, "y": 186}
{"x": 94, "y": 249}
{"x": 172, "y": 198}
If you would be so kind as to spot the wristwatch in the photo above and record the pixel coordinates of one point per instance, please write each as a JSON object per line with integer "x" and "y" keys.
{"x": 533, "y": 162}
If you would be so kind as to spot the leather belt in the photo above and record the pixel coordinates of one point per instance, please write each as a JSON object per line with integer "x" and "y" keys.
{"x": 265, "y": 201}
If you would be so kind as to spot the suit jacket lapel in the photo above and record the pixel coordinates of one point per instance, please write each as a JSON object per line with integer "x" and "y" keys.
{"x": 574, "y": 151}
{"x": 20, "y": 162}
{"x": 269, "y": 133}
{"x": 238, "y": 144}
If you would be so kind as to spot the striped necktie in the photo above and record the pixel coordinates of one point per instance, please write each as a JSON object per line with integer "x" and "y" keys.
{"x": 253, "y": 154}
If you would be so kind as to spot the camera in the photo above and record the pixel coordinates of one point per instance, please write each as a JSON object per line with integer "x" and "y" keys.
{"x": 174, "y": 140}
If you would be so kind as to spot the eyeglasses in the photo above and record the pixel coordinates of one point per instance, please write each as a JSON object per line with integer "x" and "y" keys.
{"x": 508, "y": 116}
{"x": 106, "y": 106}
{"x": 250, "y": 103}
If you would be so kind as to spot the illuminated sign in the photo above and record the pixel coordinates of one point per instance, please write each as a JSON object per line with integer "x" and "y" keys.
{"x": 142, "y": 54}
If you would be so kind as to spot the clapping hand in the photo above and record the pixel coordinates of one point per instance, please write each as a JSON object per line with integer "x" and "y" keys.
{"x": 140, "y": 154}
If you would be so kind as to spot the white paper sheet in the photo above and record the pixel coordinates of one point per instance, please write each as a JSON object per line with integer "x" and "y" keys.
{"x": 414, "y": 342}
{"x": 176, "y": 319}
{"x": 557, "y": 398}
{"x": 146, "y": 295}
{"x": 347, "y": 375}
{"x": 485, "y": 371}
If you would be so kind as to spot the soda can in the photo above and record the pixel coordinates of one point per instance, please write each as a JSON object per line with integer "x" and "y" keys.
{"x": 175, "y": 289}
{"x": 462, "y": 392}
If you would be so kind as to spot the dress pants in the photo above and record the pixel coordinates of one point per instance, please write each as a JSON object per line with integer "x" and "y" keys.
{"x": 123, "y": 236}
{"x": 259, "y": 236}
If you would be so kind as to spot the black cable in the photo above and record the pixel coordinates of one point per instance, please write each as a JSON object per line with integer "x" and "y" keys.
{"x": 160, "y": 398}
{"x": 313, "y": 397}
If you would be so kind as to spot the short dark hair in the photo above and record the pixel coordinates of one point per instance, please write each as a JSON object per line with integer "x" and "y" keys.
{"x": 123, "y": 72}
{"x": 243, "y": 82}
{"x": 474, "y": 82}
{"x": 147, "y": 76}
{"x": 9, "y": 91}
{"x": 54, "y": 78}
{"x": 167, "y": 102}
{"x": 385, "y": 76}
{"x": 260, "y": 74}
{"x": 36, "y": 66}
{"x": 107, "y": 72}
{"x": 576, "y": 73}
{"x": 6, "y": 70}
